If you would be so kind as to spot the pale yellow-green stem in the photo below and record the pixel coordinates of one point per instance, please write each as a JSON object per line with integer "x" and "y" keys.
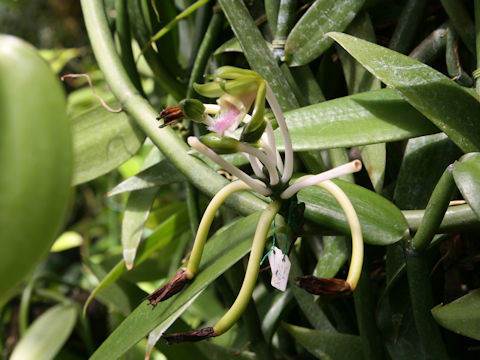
{"x": 355, "y": 229}
{"x": 245, "y": 294}
{"x": 206, "y": 222}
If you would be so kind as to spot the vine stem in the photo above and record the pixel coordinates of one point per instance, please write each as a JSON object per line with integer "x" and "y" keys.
{"x": 238, "y": 307}
{"x": 197, "y": 172}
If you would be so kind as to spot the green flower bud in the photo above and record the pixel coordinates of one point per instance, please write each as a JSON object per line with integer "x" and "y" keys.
{"x": 193, "y": 109}
{"x": 252, "y": 132}
{"x": 220, "y": 144}
{"x": 231, "y": 72}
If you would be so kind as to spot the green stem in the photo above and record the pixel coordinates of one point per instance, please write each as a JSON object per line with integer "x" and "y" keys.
{"x": 407, "y": 26}
{"x": 206, "y": 222}
{"x": 192, "y": 206}
{"x": 285, "y": 21}
{"x": 122, "y": 26}
{"x": 431, "y": 47}
{"x": 238, "y": 307}
{"x": 457, "y": 218}
{"x": 477, "y": 43}
{"x": 365, "y": 311}
{"x": 199, "y": 174}
{"x": 462, "y": 22}
{"x": 206, "y": 47}
{"x": 435, "y": 211}
{"x": 422, "y": 302}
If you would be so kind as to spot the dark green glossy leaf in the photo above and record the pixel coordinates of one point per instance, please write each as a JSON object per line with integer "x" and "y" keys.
{"x": 461, "y": 316}
{"x": 452, "y": 108}
{"x": 47, "y": 334}
{"x": 335, "y": 253}
{"x": 466, "y": 173}
{"x": 366, "y": 118}
{"x": 327, "y": 345}
{"x": 382, "y": 222}
{"x": 225, "y": 248}
{"x": 306, "y": 40}
{"x": 424, "y": 162}
{"x": 101, "y": 142}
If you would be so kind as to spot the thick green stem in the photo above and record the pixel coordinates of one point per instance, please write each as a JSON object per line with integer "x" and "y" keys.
{"x": 122, "y": 26}
{"x": 431, "y": 47}
{"x": 435, "y": 211}
{"x": 457, "y": 218}
{"x": 238, "y": 307}
{"x": 200, "y": 175}
{"x": 365, "y": 311}
{"x": 422, "y": 302}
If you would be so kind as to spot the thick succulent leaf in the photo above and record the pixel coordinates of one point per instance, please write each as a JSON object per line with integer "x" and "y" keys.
{"x": 367, "y": 118}
{"x": 466, "y": 173}
{"x": 424, "y": 162}
{"x": 232, "y": 45}
{"x": 335, "y": 253}
{"x": 461, "y": 316}
{"x": 374, "y": 158}
{"x": 382, "y": 222}
{"x": 47, "y": 334}
{"x": 452, "y": 108}
{"x": 225, "y": 248}
{"x": 102, "y": 141}
{"x": 323, "y": 344}
{"x": 306, "y": 41}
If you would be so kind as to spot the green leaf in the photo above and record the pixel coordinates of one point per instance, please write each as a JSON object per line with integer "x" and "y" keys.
{"x": 134, "y": 218}
{"x": 306, "y": 41}
{"x": 452, "y": 108}
{"x": 223, "y": 250}
{"x": 335, "y": 253}
{"x": 466, "y": 173}
{"x": 323, "y": 345}
{"x": 461, "y": 316}
{"x": 47, "y": 334}
{"x": 102, "y": 141}
{"x": 374, "y": 157}
{"x": 423, "y": 164}
{"x": 382, "y": 222}
{"x": 367, "y": 118}
{"x": 214, "y": 351}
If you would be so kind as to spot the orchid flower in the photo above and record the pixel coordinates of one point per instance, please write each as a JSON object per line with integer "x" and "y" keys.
{"x": 233, "y": 130}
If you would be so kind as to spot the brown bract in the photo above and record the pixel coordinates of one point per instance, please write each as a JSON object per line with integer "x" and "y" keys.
{"x": 171, "y": 115}
{"x": 330, "y": 288}
{"x": 169, "y": 289}
{"x": 191, "y": 336}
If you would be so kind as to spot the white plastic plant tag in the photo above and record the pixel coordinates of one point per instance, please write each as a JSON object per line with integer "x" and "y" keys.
{"x": 280, "y": 266}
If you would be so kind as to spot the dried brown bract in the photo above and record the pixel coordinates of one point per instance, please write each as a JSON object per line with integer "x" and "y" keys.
{"x": 169, "y": 289}
{"x": 171, "y": 115}
{"x": 191, "y": 336}
{"x": 330, "y": 288}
